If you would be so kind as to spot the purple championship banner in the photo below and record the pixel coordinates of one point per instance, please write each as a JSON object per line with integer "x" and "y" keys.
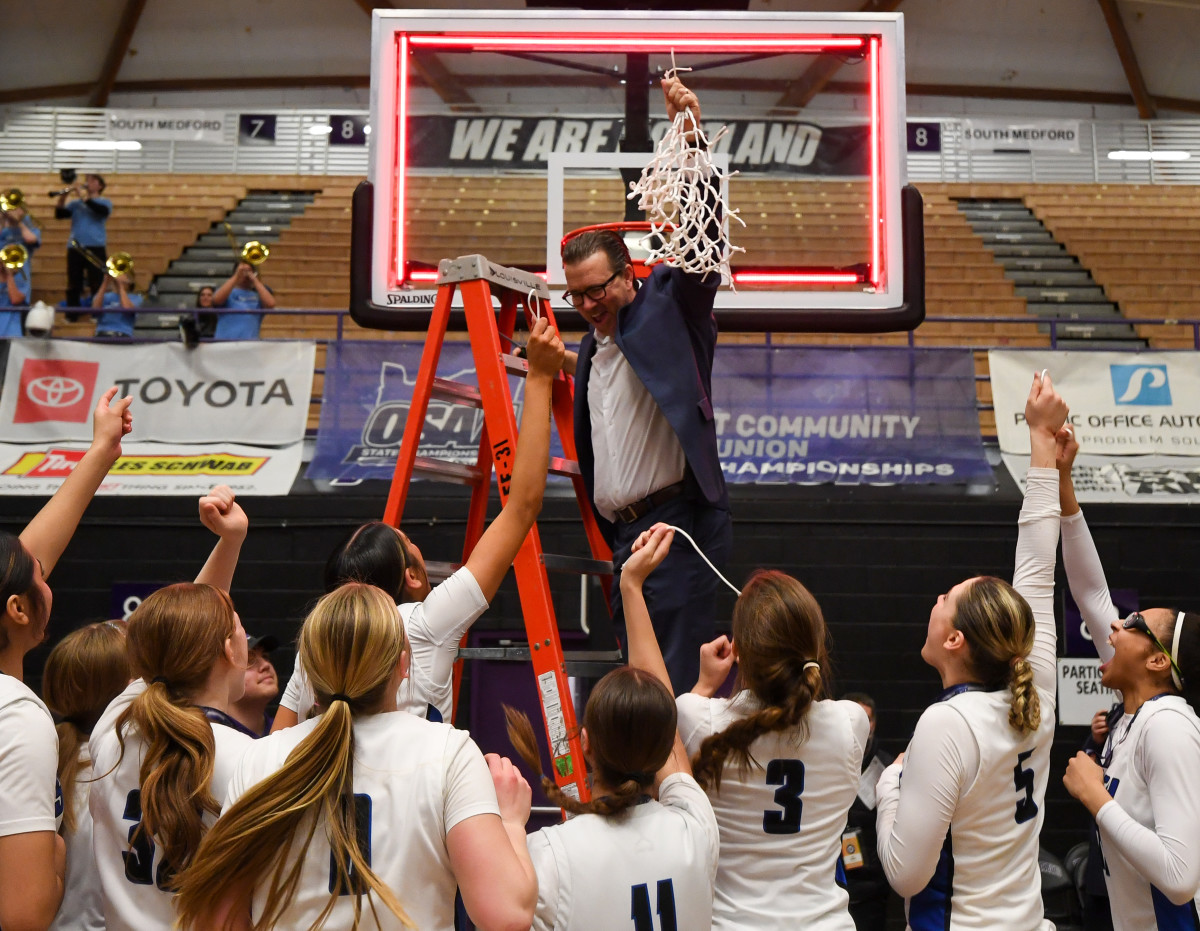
{"x": 783, "y": 415}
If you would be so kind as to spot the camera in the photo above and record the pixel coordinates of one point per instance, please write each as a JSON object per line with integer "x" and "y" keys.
{"x": 68, "y": 175}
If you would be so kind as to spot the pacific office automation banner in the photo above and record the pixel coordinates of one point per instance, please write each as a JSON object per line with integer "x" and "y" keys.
{"x": 154, "y": 468}
{"x": 787, "y": 415}
{"x": 223, "y": 413}
{"x": 171, "y": 125}
{"x": 255, "y": 392}
{"x": 1136, "y": 415}
{"x": 522, "y": 143}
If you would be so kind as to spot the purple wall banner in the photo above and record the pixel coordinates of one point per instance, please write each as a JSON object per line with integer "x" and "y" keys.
{"x": 786, "y": 415}
{"x": 871, "y": 416}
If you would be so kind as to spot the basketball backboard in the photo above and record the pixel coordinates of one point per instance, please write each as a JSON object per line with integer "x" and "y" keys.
{"x": 498, "y": 132}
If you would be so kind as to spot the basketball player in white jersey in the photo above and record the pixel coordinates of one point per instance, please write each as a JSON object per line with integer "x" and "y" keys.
{"x": 958, "y": 837}
{"x": 780, "y": 762}
{"x": 32, "y": 854}
{"x": 1143, "y": 792}
{"x": 436, "y": 619}
{"x": 364, "y": 815}
{"x": 627, "y": 860}
{"x": 161, "y": 752}
{"x": 84, "y": 672}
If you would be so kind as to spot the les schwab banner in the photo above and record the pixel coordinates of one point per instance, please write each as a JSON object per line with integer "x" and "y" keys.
{"x": 232, "y": 413}
{"x": 1136, "y": 416}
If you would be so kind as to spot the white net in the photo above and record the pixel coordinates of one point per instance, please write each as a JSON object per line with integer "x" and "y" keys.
{"x": 681, "y": 192}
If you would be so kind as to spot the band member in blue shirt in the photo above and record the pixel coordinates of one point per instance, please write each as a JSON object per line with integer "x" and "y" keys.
{"x": 88, "y": 214}
{"x": 245, "y": 293}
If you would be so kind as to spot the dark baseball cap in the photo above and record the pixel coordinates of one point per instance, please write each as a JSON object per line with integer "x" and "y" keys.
{"x": 266, "y": 643}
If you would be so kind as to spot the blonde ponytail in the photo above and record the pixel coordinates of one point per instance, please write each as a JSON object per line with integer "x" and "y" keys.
{"x": 1025, "y": 707}
{"x": 350, "y": 646}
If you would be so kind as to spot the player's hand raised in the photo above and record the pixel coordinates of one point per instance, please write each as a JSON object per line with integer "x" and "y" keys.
{"x": 545, "y": 350}
{"x": 221, "y": 514}
{"x": 716, "y": 660}
{"x": 512, "y": 791}
{"x": 648, "y": 552}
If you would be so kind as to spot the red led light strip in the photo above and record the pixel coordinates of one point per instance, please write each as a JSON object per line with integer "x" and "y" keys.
{"x": 606, "y": 43}
{"x": 796, "y": 278}
{"x": 401, "y": 169}
{"x": 876, "y": 168}
{"x": 627, "y": 43}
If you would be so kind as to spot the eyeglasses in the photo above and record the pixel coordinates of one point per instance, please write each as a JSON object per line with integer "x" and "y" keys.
{"x": 595, "y": 292}
{"x": 1135, "y": 621}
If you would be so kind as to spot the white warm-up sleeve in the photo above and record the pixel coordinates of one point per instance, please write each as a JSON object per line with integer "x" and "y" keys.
{"x": 434, "y": 629}
{"x": 298, "y": 696}
{"x": 1089, "y": 588}
{"x": 1168, "y": 857}
{"x": 1037, "y": 549}
{"x": 913, "y": 815}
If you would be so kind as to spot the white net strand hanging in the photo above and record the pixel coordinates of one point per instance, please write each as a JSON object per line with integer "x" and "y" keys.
{"x": 680, "y": 191}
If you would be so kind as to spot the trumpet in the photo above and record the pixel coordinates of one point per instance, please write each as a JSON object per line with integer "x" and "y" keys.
{"x": 252, "y": 253}
{"x": 14, "y": 256}
{"x": 14, "y": 199}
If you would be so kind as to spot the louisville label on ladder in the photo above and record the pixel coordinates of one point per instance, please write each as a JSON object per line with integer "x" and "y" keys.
{"x": 478, "y": 280}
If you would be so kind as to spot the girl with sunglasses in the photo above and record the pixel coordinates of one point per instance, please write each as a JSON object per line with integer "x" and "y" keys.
{"x": 1142, "y": 790}
{"x": 958, "y": 837}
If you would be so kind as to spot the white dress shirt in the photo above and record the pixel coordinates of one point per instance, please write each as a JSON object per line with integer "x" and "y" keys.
{"x": 636, "y": 451}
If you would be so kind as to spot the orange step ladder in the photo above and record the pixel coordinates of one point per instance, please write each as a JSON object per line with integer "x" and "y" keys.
{"x": 477, "y": 280}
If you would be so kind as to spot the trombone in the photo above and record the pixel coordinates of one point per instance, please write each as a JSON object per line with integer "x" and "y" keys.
{"x": 14, "y": 256}
{"x": 14, "y": 199}
{"x": 117, "y": 264}
{"x": 253, "y": 253}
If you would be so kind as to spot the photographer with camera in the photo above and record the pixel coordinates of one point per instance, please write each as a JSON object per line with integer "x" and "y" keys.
{"x": 88, "y": 214}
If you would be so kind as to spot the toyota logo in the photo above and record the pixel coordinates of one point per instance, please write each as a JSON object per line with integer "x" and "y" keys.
{"x": 54, "y": 391}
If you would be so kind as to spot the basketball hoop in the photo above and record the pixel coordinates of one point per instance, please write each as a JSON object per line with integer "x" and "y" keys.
{"x": 636, "y": 236}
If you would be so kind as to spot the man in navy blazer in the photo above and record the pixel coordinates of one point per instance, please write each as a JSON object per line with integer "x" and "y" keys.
{"x": 644, "y": 428}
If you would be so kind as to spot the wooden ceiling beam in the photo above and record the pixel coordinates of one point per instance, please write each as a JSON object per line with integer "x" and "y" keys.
{"x": 164, "y": 85}
{"x": 117, "y": 49}
{"x": 444, "y": 84}
{"x": 1129, "y": 62}
{"x": 45, "y": 92}
{"x": 799, "y": 93}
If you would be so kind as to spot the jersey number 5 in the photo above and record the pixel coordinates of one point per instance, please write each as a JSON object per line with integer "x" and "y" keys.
{"x": 139, "y": 858}
{"x": 642, "y": 919}
{"x": 1023, "y": 780}
{"x": 362, "y": 831}
{"x": 789, "y": 776}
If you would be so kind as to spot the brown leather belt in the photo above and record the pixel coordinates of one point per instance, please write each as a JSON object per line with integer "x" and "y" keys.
{"x": 639, "y": 509}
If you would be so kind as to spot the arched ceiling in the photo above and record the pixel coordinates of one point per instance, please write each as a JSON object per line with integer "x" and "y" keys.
{"x": 1112, "y": 58}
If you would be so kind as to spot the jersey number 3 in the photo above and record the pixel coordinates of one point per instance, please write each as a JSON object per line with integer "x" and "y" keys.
{"x": 640, "y": 912}
{"x": 789, "y": 776}
{"x": 1023, "y": 780}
